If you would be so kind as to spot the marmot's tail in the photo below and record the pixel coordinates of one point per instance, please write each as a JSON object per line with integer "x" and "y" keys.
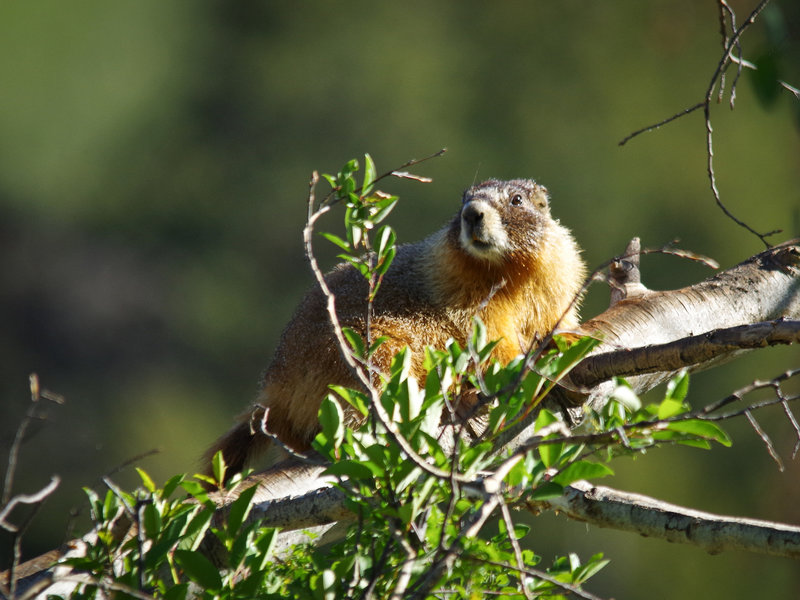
{"x": 239, "y": 445}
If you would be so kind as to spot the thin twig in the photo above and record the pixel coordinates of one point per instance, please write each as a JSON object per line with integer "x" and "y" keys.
{"x": 17, "y": 531}
{"x": 35, "y": 498}
{"x": 765, "y": 438}
{"x": 517, "y": 550}
{"x": 655, "y": 126}
{"x": 790, "y": 415}
{"x": 733, "y": 42}
{"x": 130, "y": 461}
{"x": 756, "y": 385}
{"x": 730, "y": 43}
{"x": 33, "y": 408}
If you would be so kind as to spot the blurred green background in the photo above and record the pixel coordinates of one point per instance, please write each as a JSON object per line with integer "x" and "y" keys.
{"x": 154, "y": 160}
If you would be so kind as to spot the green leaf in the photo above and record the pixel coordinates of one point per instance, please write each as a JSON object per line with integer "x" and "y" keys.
{"x": 549, "y": 453}
{"x": 171, "y": 485}
{"x": 146, "y": 481}
{"x": 547, "y": 490}
{"x": 199, "y": 569}
{"x": 401, "y": 365}
{"x": 331, "y": 418}
{"x": 625, "y": 395}
{"x": 110, "y": 506}
{"x": 240, "y": 508}
{"x": 197, "y": 491}
{"x": 703, "y": 429}
{"x": 544, "y": 418}
{"x": 369, "y": 175}
{"x": 330, "y": 179}
{"x": 670, "y": 408}
{"x": 196, "y": 529}
{"x": 432, "y": 414}
{"x": 177, "y": 592}
{"x": 94, "y": 502}
{"x": 386, "y": 206}
{"x": 570, "y": 357}
{"x": 678, "y": 386}
{"x": 377, "y": 344}
{"x": 354, "y": 234}
{"x": 265, "y": 543}
{"x": 581, "y": 469}
{"x": 354, "y": 398}
{"x": 386, "y": 249}
{"x": 412, "y": 399}
{"x": 335, "y": 239}
{"x": 241, "y": 546}
{"x": 475, "y": 457}
{"x": 152, "y": 521}
{"x": 595, "y": 563}
{"x": 378, "y": 458}
{"x": 478, "y": 339}
{"x": 157, "y": 553}
{"x": 520, "y": 529}
{"x": 459, "y": 358}
{"x": 218, "y": 466}
{"x": 522, "y": 474}
{"x": 355, "y": 470}
{"x": 355, "y": 341}
{"x": 384, "y": 239}
{"x": 694, "y": 443}
{"x": 350, "y": 167}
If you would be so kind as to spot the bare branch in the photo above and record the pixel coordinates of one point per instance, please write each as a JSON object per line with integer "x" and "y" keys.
{"x": 506, "y": 514}
{"x": 729, "y": 43}
{"x": 605, "y": 507}
{"x": 691, "y": 351}
{"x": 32, "y": 413}
{"x": 34, "y": 498}
{"x": 774, "y": 383}
{"x": 764, "y": 437}
{"x": 655, "y": 126}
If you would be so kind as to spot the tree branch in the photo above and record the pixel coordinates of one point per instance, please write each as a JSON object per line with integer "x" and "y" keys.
{"x": 606, "y": 507}
{"x": 688, "y": 352}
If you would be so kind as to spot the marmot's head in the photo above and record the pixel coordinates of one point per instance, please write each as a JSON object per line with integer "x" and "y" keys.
{"x": 502, "y": 218}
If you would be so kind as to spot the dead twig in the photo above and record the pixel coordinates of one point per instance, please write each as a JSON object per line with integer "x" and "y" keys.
{"x": 731, "y": 42}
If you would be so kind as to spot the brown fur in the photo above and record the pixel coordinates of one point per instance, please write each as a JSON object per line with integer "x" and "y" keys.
{"x": 429, "y": 295}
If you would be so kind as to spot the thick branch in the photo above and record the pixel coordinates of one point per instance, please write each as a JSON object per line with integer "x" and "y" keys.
{"x": 708, "y": 320}
{"x": 605, "y": 507}
{"x": 690, "y": 352}
{"x": 596, "y": 505}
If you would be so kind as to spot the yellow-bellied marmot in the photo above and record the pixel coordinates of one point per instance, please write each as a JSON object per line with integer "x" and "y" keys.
{"x": 502, "y": 258}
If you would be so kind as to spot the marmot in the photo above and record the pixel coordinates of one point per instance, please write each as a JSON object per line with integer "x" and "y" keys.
{"x": 502, "y": 258}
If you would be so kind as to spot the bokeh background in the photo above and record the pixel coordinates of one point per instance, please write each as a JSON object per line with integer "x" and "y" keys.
{"x": 154, "y": 160}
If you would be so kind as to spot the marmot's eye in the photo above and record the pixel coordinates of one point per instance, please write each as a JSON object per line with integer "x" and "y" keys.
{"x": 516, "y": 200}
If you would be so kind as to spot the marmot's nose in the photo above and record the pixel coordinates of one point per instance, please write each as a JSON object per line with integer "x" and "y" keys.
{"x": 472, "y": 215}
